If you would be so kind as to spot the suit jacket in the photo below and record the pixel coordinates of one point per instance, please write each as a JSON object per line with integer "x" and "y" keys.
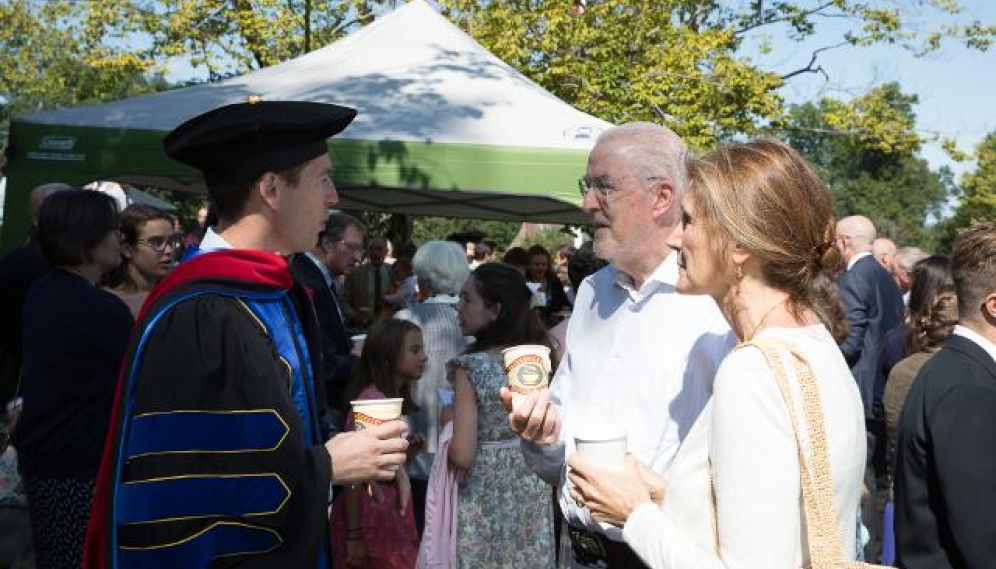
{"x": 946, "y": 471}
{"x": 874, "y": 306}
{"x": 18, "y": 271}
{"x": 337, "y": 363}
{"x": 357, "y": 290}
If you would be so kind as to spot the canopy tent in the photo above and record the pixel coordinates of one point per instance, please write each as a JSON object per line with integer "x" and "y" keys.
{"x": 444, "y": 128}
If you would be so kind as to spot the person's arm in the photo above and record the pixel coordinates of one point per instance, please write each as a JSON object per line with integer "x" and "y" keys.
{"x": 537, "y": 422}
{"x": 961, "y": 426}
{"x": 854, "y": 293}
{"x": 375, "y": 453}
{"x": 463, "y": 447}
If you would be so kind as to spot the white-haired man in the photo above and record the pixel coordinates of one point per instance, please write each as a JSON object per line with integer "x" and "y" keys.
{"x": 640, "y": 357}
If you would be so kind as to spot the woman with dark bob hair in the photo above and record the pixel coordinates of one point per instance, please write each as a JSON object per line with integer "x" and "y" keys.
{"x": 757, "y": 236}
{"x": 75, "y": 334}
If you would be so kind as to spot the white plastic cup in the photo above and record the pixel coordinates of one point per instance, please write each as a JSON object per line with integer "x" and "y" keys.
{"x": 372, "y": 412}
{"x": 528, "y": 370}
{"x": 603, "y": 447}
{"x": 358, "y": 342}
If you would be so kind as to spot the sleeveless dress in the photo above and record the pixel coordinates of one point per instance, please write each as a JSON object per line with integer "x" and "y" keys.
{"x": 505, "y": 515}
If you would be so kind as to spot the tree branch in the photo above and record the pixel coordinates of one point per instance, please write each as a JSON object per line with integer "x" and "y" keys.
{"x": 809, "y": 68}
{"x": 762, "y": 23}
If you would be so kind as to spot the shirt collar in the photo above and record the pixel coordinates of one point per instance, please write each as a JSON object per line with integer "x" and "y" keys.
{"x": 665, "y": 275}
{"x": 212, "y": 241}
{"x": 856, "y": 258}
{"x": 321, "y": 267}
{"x": 441, "y": 299}
{"x": 982, "y": 341}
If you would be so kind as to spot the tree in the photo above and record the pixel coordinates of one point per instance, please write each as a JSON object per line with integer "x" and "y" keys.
{"x": 428, "y": 228}
{"x": 45, "y": 63}
{"x": 865, "y": 150}
{"x": 677, "y": 62}
{"x": 977, "y": 198}
{"x": 220, "y": 37}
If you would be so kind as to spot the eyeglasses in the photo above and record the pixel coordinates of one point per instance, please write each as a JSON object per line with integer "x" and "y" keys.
{"x": 351, "y": 247}
{"x": 602, "y": 187}
{"x": 158, "y": 243}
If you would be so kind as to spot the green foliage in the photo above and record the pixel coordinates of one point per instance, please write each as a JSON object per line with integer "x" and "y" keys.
{"x": 48, "y": 60}
{"x": 629, "y": 60}
{"x": 429, "y": 228}
{"x": 676, "y": 62}
{"x": 977, "y": 198}
{"x": 550, "y": 238}
{"x": 871, "y": 166}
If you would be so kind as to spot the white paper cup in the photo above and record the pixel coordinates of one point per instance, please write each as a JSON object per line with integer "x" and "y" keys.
{"x": 605, "y": 448}
{"x": 527, "y": 368}
{"x": 372, "y": 412}
{"x": 358, "y": 341}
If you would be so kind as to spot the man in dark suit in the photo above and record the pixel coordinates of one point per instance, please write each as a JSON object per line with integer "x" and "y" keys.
{"x": 365, "y": 287}
{"x": 338, "y": 251}
{"x": 874, "y": 306}
{"x": 18, "y": 271}
{"x": 946, "y": 466}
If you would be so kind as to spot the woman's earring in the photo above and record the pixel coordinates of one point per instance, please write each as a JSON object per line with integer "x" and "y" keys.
{"x": 740, "y": 273}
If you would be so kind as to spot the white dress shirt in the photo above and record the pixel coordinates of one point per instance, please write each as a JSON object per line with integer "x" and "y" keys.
{"x": 639, "y": 361}
{"x": 854, "y": 260}
{"x": 746, "y": 435}
{"x": 213, "y": 241}
{"x": 979, "y": 339}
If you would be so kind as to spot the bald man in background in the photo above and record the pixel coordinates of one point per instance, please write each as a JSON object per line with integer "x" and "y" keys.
{"x": 884, "y": 251}
{"x": 874, "y": 306}
{"x": 18, "y": 271}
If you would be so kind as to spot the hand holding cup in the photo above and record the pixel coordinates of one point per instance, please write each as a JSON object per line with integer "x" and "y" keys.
{"x": 375, "y": 453}
{"x": 535, "y": 418}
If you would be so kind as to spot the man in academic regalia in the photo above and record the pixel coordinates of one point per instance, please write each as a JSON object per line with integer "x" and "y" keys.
{"x": 214, "y": 456}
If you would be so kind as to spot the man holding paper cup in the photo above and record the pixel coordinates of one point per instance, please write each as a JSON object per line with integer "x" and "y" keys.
{"x": 214, "y": 454}
{"x": 640, "y": 357}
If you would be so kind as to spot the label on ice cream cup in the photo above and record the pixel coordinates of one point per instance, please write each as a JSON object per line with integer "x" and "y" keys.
{"x": 372, "y": 412}
{"x": 527, "y": 368}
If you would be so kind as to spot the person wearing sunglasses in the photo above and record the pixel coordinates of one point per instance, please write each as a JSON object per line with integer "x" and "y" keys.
{"x": 149, "y": 250}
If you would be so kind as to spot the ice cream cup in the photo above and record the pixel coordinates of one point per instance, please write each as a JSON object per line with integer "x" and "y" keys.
{"x": 603, "y": 447}
{"x": 527, "y": 368}
{"x": 372, "y": 412}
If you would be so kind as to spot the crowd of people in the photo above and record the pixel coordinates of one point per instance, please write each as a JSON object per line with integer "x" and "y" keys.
{"x": 792, "y": 389}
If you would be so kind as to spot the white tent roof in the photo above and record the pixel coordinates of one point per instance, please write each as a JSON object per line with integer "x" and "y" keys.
{"x": 412, "y": 75}
{"x": 444, "y": 128}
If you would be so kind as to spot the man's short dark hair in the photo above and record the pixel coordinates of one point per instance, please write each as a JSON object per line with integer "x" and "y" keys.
{"x": 71, "y": 224}
{"x": 336, "y": 226}
{"x": 973, "y": 267}
{"x": 482, "y": 250}
{"x": 228, "y": 200}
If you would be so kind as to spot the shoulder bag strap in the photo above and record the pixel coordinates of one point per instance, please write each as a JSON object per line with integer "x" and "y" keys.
{"x": 817, "y": 484}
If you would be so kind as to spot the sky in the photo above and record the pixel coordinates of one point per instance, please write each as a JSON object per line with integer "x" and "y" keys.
{"x": 955, "y": 86}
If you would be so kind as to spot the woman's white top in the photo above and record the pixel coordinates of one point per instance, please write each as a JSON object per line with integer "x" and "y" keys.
{"x": 746, "y": 433}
